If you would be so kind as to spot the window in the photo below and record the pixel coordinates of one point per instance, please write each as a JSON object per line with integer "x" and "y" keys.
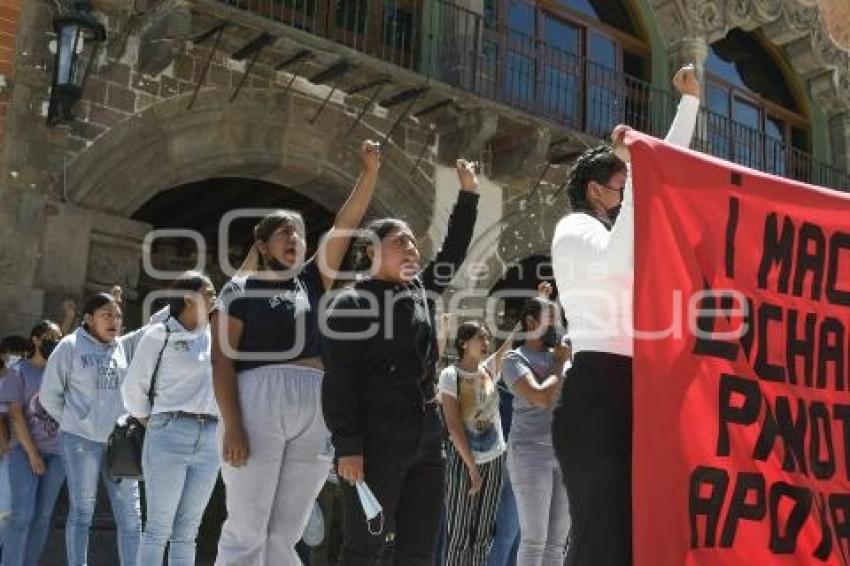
{"x": 752, "y": 116}
{"x": 614, "y": 14}
{"x": 521, "y": 52}
{"x": 604, "y": 90}
{"x": 490, "y": 13}
{"x": 562, "y": 35}
{"x": 521, "y": 18}
{"x": 352, "y": 15}
{"x": 398, "y": 26}
{"x": 388, "y": 29}
{"x": 562, "y": 88}
{"x": 566, "y": 60}
{"x": 302, "y": 14}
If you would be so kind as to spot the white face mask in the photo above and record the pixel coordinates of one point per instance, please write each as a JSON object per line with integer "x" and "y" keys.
{"x": 370, "y": 505}
{"x": 11, "y": 360}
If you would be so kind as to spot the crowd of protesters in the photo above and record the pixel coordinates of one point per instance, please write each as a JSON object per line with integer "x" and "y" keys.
{"x": 330, "y": 410}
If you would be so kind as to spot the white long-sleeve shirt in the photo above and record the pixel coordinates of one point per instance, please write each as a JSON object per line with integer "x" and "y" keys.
{"x": 594, "y": 267}
{"x": 184, "y": 379}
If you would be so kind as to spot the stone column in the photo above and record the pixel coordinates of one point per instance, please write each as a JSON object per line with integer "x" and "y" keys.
{"x": 85, "y": 251}
{"x": 692, "y": 49}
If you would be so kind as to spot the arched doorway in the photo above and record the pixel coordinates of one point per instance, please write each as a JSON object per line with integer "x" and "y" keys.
{"x": 167, "y": 146}
{"x": 200, "y": 207}
{"x": 258, "y": 139}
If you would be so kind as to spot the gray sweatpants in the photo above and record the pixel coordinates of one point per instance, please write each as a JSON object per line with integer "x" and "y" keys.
{"x": 541, "y": 500}
{"x": 269, "y": 500}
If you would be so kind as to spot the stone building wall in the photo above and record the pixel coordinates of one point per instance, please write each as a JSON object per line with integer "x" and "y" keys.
{"x": 10, "y": 13}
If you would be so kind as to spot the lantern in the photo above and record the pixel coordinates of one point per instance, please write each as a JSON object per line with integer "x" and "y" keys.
{"x": 78, "y": 36}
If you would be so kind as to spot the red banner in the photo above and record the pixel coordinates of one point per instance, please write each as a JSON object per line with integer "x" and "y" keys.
{"x": 742, "y": 364}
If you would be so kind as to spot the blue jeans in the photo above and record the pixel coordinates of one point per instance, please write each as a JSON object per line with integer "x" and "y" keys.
{"x": 32, "y": 507}
{"x": 180, "y": 462}
{"x": 85, "y": 464}
{"x": 5, "y": 496}
{"x": 506, "y": 538}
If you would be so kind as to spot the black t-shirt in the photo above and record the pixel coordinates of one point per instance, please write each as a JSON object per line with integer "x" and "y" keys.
{"x": 280, "y": 318}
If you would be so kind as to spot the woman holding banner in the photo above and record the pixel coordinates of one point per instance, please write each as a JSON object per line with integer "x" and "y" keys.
{"x": 593, "y": 260}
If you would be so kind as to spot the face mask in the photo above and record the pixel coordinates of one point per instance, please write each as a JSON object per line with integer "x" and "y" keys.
{"x": 11, "y": 360}
{"x": 371, "y": 508}
{"x": 274, "y": 265}
{"x": 47, "y": 347}
{"x": 550, "y": 338}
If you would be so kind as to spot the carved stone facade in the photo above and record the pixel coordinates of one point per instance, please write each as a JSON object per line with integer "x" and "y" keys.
{"x": 799, "y": 28}
{"x": 836, "y": 15}
{"x": 796, "y": 26}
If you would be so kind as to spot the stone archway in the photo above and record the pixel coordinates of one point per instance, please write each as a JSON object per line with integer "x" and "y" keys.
{"x": 168, "y": 145}
{"x": 261, "y": 136}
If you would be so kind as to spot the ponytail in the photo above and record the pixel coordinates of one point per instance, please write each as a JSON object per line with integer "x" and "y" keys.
{"x": 251, "y": 263}
{"x": 263, "y": 231}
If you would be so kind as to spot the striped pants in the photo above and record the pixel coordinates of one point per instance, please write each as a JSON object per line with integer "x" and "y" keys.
{"x": 470, "y": 519}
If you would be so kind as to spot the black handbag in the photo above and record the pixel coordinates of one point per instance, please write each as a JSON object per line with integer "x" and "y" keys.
{"x": 124, "y": 448}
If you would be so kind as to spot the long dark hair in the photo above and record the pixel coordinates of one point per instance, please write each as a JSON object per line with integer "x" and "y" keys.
{"x": 533, "y": 307}
{"x": 466, "y": 332}
{"x": 14, "y": 344}
{"x": 596, "y": 164}
{"x": 40, "y": 328}
{"x": 94, "y": 302}
{"x": 380, "y": 228}
{"x": 190, "y": 281}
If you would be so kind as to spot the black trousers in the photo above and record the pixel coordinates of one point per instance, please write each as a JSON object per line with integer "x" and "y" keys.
{"x": 592, "y": 434}
{"x": 404, "y": 469}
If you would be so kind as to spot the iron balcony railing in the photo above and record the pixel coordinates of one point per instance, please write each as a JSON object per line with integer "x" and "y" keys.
{"x": 443, "y": 41}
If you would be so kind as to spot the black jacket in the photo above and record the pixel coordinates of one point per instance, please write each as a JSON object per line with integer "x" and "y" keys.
{"x": 390, "y": 367}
